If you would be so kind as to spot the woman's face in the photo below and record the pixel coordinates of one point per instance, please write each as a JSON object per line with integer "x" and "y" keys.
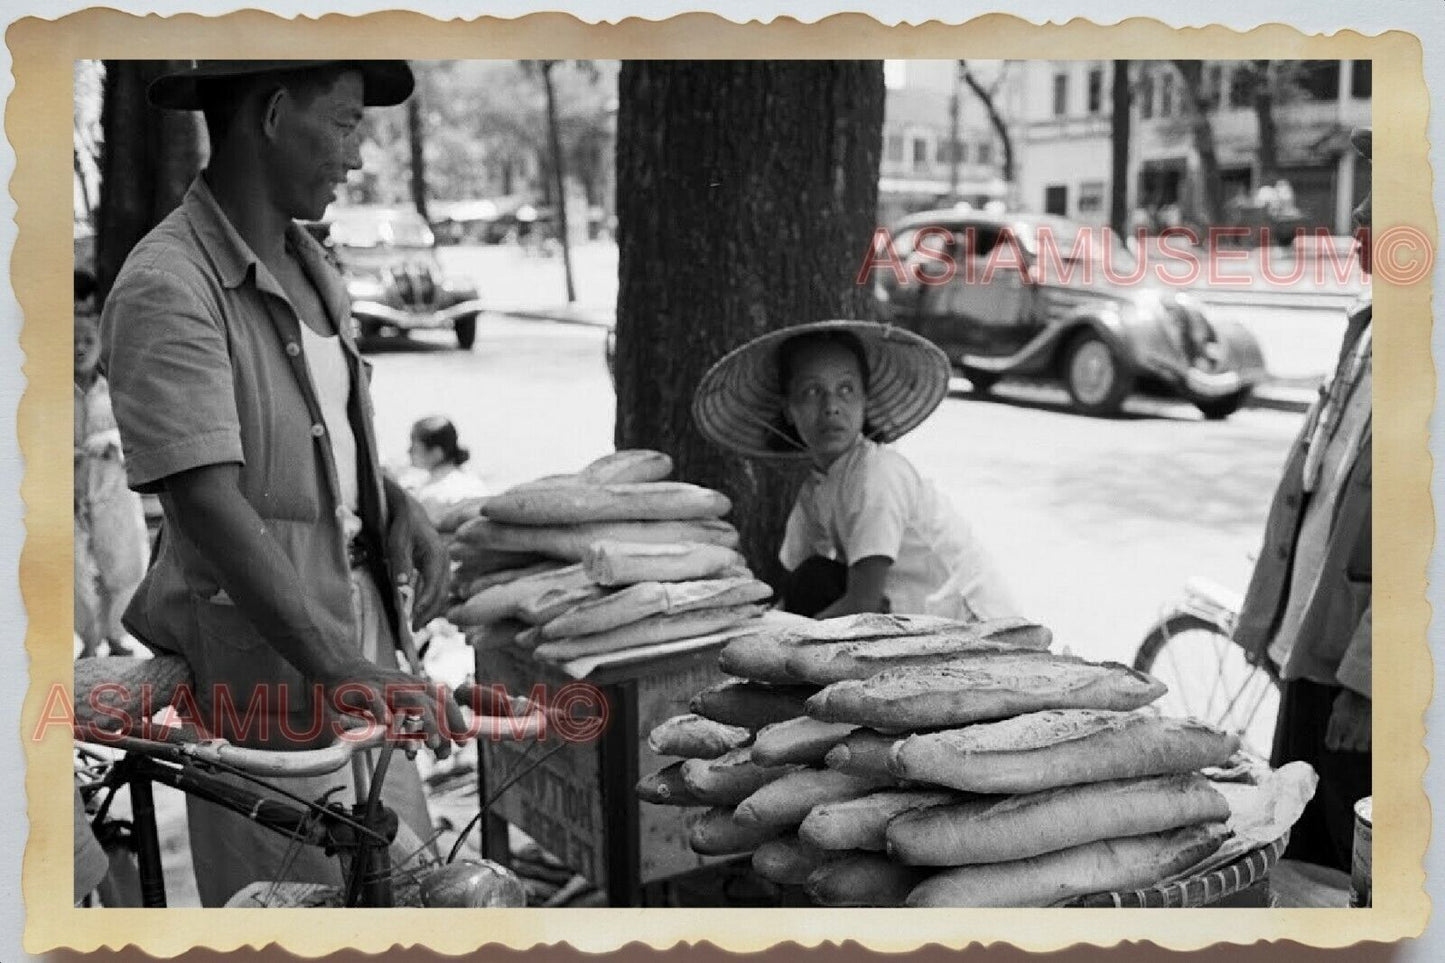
{"x": 826, "y": 401}
{"x": 424, "y": 456}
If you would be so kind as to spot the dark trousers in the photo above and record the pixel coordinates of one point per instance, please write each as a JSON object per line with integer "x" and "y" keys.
{"x": 814, "y": 585}
{"x": 1325, "y": 833}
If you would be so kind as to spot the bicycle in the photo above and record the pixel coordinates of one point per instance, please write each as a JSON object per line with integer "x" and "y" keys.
{"x": 359, "y": 836}
{"x": 1191, "y": 649}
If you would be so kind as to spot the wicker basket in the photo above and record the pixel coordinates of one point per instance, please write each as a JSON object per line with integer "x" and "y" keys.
{"x": 1203, "y": 890}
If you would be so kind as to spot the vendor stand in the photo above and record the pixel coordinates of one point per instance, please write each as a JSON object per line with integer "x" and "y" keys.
{"x": 580, "y": 803}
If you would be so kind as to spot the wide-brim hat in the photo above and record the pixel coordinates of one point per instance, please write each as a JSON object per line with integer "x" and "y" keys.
{"x": 386, "y": 82}
{"x": 739, "y": 402}
{"x": 1360, "y": 140}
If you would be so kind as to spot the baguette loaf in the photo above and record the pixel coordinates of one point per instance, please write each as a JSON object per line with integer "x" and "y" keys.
{"x": 541, "y": 609}
{"x": 784, "y": 801}
{"x": 749, "y": 704}
{"x": 637, "y": 602}
{"x": 978, "y": 689}
{"x": 862, "y": 823}
{"x": 801, "y": 740}
{"x": 788, "y": 861}
{"x": 626, "y": 563}
{"x": 666, "y": 788}
{"x": 628, "y": 465}
{"x": 649, "y": 631}
{"x": 693, "y": 737}
{"x": 863, "y": 879}
{"x": 472, "y": 586}
{"x": 474, "y": 561}
{"x": 1000, "y": 829}
{"x": 1106, "y": 865}
{"x": 758, "y": 656}
{"x": 714, "y": 832}
{"x": 728, "y": 779}
{"x": 1043, "y": 750}
{"x": 862, "y": 753}
{"x": 570, "y": 542}
{"x": 829, "y": 662}
{"x": 505, "y": 599}
{"x": 569, "y": 505}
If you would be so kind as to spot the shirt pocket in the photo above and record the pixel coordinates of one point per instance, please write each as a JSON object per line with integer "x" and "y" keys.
{"x": 235, "y": 659}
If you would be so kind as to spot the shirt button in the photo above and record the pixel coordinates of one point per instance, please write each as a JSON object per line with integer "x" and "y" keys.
{"x": 317, "y": 431}
{"x": 341, "y": 511}
{"x": 292, "y": 348}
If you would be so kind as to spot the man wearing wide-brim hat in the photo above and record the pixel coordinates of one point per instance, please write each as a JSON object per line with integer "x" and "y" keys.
{"x": 243, "y": 403}
{"x": 1308, "y": 605}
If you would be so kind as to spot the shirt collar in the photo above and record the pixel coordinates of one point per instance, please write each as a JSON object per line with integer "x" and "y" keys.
{"x": 841, "y": 463}
{"x": 235, "y": 260}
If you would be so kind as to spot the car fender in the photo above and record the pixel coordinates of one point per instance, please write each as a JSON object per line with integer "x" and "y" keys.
{"x": 1241, "y": 348}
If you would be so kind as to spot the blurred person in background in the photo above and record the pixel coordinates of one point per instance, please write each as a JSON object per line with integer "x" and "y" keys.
{"x": 110, "y": 528}
{"x": 436, "y": 478}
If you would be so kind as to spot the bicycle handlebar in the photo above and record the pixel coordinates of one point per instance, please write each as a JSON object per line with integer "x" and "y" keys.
{"x": 526, "y": 721}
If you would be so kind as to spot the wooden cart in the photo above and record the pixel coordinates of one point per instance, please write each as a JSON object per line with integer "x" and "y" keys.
{"x": 580, "y": 804}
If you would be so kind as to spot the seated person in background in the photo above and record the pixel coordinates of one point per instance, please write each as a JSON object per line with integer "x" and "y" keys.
{"x": 111, "y": 544}
{"x": 867, "y": 533}
{"x": 436, "y": 478}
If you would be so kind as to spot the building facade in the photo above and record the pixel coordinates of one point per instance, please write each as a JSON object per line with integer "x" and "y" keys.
{"x": 1064, "y": 129}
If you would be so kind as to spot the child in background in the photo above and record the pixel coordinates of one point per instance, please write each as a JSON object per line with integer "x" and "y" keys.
{"x": 867, "y": 532}
{"x": 110, "y": 530}
{"x": 437, "y": 479}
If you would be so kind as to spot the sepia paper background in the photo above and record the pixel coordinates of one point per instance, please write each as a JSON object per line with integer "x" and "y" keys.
{"x": 38, "y": 125}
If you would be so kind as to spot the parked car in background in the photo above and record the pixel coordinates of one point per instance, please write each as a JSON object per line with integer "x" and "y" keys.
{"x": 1102, "y": 337}
{"x": 388, "y": 257}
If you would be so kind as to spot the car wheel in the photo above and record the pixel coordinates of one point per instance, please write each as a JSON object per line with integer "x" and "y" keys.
{"x": 981, "y": 381}
{"x": 1096, "y": 378}
{"x": 1217, "y": 409}
{"x": 466, "y": 329}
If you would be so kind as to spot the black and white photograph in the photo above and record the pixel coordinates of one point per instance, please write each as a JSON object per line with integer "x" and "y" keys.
{"x": 732, "y": 483}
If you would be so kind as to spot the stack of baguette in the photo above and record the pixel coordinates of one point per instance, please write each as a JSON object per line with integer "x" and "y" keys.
{"x": 932, "y": 763}
{"x": 614, "y": 557}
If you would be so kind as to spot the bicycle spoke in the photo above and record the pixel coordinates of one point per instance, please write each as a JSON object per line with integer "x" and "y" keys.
{"x": 1179, "y": 675}
{"x": 1218, "y": 683}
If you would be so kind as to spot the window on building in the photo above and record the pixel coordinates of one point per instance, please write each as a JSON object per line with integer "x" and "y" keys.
{"x": 1091, "y": 197}
{"x": 1360, "y": 79}
{"x": 895, "y": 148}
{"x": 1056, "y": 200}
{"x": 1061, "y": 94}
{"x": 1213, "y": 86}
{"x": 1319, "y": 79}
{"x": 920, "y": 152}
{"x": 1146, "y": 95}
{"x": 983, "y": 153}
{"x": 1096, "y": 90}
{"x": 1166, "y": 95}
{"x": 1242, "y": 80}
{"x": 946, "y": 156}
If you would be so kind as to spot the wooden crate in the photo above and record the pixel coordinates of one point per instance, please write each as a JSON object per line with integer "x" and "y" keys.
{"x": 580, "y": 804}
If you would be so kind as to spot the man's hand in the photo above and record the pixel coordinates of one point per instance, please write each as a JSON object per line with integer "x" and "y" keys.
{"x": 415, "y": 551}
{"x": 360, "y": 687}
{"x": 1349, "y": 725}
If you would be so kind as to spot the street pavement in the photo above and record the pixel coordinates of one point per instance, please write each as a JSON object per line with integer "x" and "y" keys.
{"x": 1095, "y": 523}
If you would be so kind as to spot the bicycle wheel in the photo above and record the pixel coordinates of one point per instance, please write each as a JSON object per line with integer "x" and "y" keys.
{"x": 1211, "y": 678}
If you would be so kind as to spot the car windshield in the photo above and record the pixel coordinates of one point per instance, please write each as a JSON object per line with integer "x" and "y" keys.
{"x": 1076, "y": 242}
{"x": 385, "y": 229}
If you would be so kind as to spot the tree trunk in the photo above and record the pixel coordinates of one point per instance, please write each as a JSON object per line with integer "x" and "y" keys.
{"x": 559, "y": 179}
{"x": 416, "y": 139}
{"x": 149, "y": 158}
{"x": 1119, "y": 142}
{"x": 746, "y": 201}
{"x": 1263, "y": 100}
{"x": 995, "y": 118}
{"x": 1191, "y": 72}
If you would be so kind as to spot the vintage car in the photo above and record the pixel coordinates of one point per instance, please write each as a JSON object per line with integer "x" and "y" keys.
{"x": 388, "y": 257}
{"x": 1015, "y": 296}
